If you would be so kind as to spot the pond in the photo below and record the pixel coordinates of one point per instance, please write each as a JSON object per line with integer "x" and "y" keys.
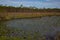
{"x": 45, "y": 25}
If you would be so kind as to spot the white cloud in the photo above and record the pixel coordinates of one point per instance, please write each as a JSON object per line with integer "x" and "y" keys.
{"x": 31, "y": 3}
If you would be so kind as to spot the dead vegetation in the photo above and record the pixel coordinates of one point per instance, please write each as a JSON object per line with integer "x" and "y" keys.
{"x": 9, "y": 12}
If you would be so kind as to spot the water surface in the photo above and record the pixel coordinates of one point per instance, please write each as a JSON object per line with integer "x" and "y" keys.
{"x": 44, "y": 25}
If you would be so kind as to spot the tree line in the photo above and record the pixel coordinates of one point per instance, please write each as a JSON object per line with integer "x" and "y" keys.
{"x": 26, "y": 9}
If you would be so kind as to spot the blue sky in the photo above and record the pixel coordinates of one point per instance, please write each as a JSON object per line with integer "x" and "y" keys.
{"x": 36, "y": 3}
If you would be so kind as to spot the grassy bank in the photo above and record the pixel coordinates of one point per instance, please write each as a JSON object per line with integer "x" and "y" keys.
{"x": 12, "y": 15}
{"x": 9, "y": 12}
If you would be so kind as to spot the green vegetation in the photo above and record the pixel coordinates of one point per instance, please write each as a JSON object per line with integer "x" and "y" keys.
{"x": 26, "y": 9}
{"x": 10, "y": 12}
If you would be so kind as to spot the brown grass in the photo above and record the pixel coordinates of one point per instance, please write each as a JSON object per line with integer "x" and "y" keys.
{"x": 11, "y": 15}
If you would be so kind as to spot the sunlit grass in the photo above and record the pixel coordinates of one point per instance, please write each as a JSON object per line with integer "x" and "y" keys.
{"x": 29, "y": 15}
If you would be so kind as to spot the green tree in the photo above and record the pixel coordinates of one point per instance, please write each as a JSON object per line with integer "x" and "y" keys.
{"x": 21, "y": 6}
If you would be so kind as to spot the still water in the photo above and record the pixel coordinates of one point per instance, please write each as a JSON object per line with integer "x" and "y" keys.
{"x": 44, "y": 24}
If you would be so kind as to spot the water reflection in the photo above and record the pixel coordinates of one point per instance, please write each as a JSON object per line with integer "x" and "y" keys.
{"x": 45, "y": 26}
